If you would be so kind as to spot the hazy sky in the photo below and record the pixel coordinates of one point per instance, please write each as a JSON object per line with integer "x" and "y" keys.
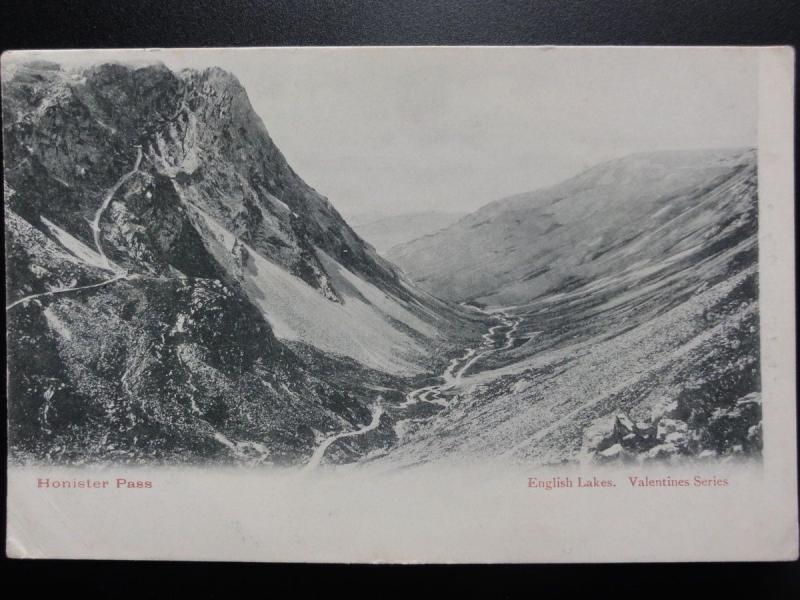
{"x": 396, "y": 130}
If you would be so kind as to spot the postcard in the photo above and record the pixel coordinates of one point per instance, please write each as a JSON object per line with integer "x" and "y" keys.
{"x": 401, "y": 304}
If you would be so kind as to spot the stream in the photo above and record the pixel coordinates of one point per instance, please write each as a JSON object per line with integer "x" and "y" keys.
{"x": 499, "y": 337}
{"x": 454, "y": 373}
{"x": 319, "y": 452}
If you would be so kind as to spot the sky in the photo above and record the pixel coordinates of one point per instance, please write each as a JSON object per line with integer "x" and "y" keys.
{"x": 397, "y": 130}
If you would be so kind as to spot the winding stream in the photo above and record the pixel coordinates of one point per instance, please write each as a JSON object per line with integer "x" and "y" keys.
{"x": 458, "y": 367}
{"x": 319, "y": 452}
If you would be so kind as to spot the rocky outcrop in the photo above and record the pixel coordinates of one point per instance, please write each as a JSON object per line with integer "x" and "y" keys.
{"x": 147, "y": 215}
{"x": 683, "y": 428}
{"x": 69, "y": 134}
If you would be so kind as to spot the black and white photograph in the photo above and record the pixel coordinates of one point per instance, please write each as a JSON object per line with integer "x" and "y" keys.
{"x": 317, "y": 263}
{"x": 477, "y": 261}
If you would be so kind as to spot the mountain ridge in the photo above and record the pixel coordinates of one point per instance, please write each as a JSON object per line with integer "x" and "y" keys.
{"x": 513, "y": 238}
{"x": 177, "y": 293}
{"x": 634, "y": 302}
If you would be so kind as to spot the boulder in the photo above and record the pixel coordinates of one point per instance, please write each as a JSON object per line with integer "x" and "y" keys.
{"x": 612, "y": 452}
{"x": 598, "y": 436}
{"x": 623, "y": 426}
{"x": 667, "y": 426}
{"x": 755, "y": 437}
{"x": 678, "y": 438}
{"x": 750, "y": 404}
{"x": 669, "y": 411}
{"x": 662, "y": 451}
{"x": 615, "y": 453}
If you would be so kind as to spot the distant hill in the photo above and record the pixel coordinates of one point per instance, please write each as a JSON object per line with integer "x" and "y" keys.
{"x": 611, "y": 217}
{"x": 385, "y": 232}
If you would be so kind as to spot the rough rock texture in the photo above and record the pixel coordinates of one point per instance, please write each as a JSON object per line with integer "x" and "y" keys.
{"x": 149, "y": 218}
{"x": 696, "y": 424}
{"x": 175, "y": 292}
{"x": 69, "y": 136}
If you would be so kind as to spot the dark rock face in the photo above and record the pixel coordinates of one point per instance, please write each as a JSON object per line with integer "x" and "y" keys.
{"x": 711, "y": 428}
{"x": 69, "y": 136}
{"x": 156, "y": 368}
{"x": 131, "y": 338}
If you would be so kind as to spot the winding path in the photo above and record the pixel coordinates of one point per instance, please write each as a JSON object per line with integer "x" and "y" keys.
{"x": 95, "y": 225}
{"x": 71, "y": 289}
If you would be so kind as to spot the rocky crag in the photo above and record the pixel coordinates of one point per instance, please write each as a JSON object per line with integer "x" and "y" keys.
{"x": 169, "y": 276}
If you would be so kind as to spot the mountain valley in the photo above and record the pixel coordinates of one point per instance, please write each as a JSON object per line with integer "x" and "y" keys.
{"x": 176, "y": 293}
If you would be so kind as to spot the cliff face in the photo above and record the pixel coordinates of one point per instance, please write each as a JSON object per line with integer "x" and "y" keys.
{"x": 71, "y": 135}
{"x": 169, "y": 275}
